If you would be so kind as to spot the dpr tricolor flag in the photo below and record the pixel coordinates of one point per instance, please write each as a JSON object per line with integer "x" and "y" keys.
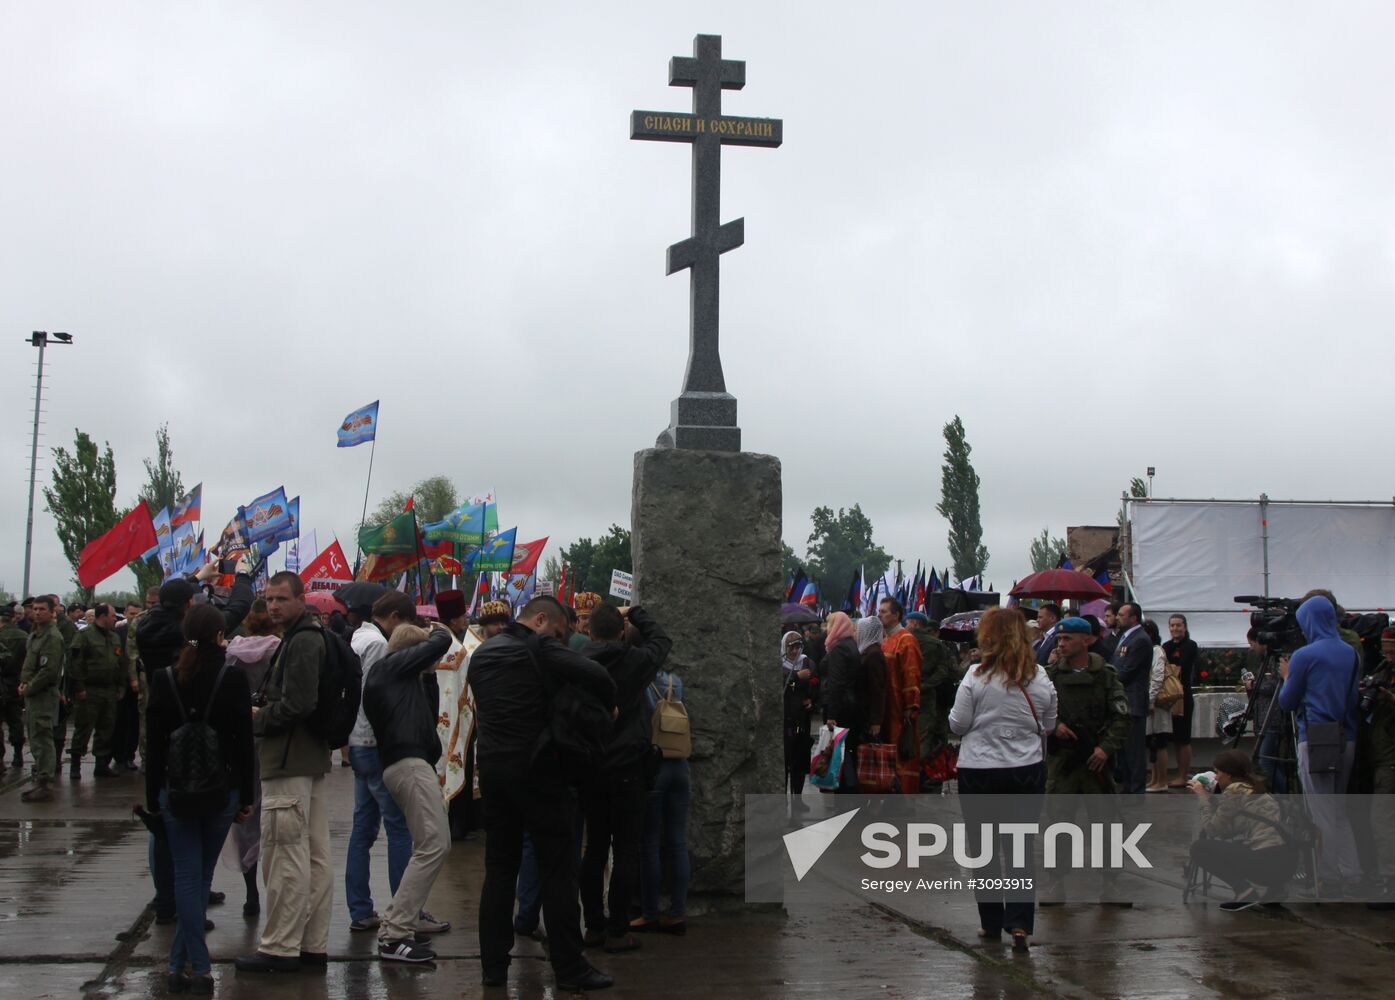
{"x": 187, "y": 508}
{"x": 360, "y": 426}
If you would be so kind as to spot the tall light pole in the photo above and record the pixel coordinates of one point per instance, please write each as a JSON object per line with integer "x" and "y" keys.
{"x": 1151, "y": 471}
{"x": 40, "y": 339}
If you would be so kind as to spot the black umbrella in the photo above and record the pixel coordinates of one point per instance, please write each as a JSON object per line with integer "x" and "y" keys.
{"x": 359, "y": 594}
{"x": 963, "y": 624}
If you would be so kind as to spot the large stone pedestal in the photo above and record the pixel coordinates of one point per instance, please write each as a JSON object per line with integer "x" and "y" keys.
{"x": 707, "y": 564}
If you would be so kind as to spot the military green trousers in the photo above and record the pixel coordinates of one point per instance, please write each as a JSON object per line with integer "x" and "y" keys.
{"x": 94, "y": 718}
{"x": 40, "y": 715}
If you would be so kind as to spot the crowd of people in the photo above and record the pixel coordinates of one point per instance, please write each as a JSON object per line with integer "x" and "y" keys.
{"x": 1070, "y": 704}
{"x": 237, "y": 705}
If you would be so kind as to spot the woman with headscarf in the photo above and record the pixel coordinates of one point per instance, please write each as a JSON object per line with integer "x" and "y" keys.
{"x": 869, "y": 635}
{"x": 842, "y": 699}
{"x": 797, "y": 676}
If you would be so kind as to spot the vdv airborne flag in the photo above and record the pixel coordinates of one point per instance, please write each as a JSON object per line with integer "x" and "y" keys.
{"x": 359, "y": 426}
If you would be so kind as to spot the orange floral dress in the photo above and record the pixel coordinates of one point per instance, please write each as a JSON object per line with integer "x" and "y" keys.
{"x": 903, "y": 661}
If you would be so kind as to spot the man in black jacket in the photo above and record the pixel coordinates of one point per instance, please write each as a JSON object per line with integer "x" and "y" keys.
{"x": 613, "y": 802}
{"x": 1133, "y": 661}
{"x": 401, "y": 706}
{"x": 524, "y": 789}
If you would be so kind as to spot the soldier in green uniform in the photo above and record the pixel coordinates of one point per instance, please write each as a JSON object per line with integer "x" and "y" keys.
{"x": 1092, "y": 715}
{"x": 938, "y": 675}
{"x": 12, "y": 640}
{"x": 97, "y": 678}
{"x": 38, "y": 686}
{"x": 68, "y": 630}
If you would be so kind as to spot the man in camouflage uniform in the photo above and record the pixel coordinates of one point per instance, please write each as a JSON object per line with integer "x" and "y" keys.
{"x": 68, "y": 630}
{"x": 97, "y": 677}
{"x": 938, "y": 674}
{"x": 38, "y": 686}
{"x": 12, "y": 641}
{"x": 1092, "y": 715}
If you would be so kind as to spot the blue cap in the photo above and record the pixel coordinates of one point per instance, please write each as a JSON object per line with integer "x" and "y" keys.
{"x": 919, "y": 616}
{"x": 1076, "y": 625}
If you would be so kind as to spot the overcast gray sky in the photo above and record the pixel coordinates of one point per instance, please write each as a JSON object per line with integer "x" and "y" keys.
{"x": 1106, "y": 235}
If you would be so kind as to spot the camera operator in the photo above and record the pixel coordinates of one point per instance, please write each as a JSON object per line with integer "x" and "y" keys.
{"x": 1320, "y": 686}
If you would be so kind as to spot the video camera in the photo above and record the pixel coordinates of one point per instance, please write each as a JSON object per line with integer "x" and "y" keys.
{"x": 1275, "y": 623}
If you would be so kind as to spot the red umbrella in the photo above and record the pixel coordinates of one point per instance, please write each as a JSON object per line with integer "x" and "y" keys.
{"x": 322, "y": 601}
{"x": 1059, "y": 585}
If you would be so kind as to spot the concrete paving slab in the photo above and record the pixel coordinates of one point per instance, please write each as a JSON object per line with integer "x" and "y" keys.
{"x": 73, "y": 877}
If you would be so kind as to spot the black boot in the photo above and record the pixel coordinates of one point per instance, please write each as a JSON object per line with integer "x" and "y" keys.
{"x": 103, "y": 769}
{"x": 75, "y": 768}
{"x": 253, "y": 906}
{"x": 19, "y": 756}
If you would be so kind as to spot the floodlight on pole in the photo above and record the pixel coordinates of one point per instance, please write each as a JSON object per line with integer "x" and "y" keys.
{"x": 40, "y": 339}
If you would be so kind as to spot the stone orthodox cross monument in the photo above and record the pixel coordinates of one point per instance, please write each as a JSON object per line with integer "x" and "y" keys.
{"x": 704, "y": 415}
{"x": 706, "y": 516}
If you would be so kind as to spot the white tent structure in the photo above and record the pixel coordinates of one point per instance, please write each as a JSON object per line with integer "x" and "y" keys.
{"x": 1196, "y": 556}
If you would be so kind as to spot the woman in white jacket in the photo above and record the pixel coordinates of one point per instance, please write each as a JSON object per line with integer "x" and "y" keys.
{"x": 1002, "y": 712}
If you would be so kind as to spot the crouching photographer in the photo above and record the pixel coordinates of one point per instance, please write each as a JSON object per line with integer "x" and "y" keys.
{"x": 1243, "y": 840}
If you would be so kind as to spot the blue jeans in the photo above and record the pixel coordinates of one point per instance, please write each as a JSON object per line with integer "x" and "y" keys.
{"x": 195, "y": 843}
{"x": 666, "y": 821}
{"x": 373, "y": 806}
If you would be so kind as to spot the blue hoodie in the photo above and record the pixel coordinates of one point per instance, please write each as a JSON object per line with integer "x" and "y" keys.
{"x": 1322, "y": 676}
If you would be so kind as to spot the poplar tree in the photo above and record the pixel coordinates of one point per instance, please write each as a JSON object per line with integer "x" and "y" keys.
{"x": 959, "y": 504}
{"x": 82, "y": 499}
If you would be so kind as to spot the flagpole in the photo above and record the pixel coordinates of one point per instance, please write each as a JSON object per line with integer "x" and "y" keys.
{"x": 372, "y": 449}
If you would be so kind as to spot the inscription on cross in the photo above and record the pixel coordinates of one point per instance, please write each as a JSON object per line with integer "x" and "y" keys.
{"x": 704, "y": 414}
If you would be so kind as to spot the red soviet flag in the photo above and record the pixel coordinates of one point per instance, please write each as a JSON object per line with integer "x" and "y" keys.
{"x": 133, "y": 536}
{"x": 328, "y": 565}
{"x": 525, "y": 557}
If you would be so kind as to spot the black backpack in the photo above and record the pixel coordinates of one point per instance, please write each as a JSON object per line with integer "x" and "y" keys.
{"x": 579, "y": 724}
{"x": 195, "y": 774}
{"x": 340, "y": 690}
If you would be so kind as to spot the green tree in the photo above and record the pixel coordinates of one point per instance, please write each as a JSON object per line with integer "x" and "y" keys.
{"x": 791, "y": 562}
{"x": 959, "y": 504}
{"x": 1047, "y": 552}
{"x": 83, "y": 497}
{"x": 163, "y": 486}
{"x": 118, "y": 599}
{"x": 433, "y": 498}
{"x": 1137, "y": 489}
{"x": 590, "y": 563}
{"x": 840, "y": 544}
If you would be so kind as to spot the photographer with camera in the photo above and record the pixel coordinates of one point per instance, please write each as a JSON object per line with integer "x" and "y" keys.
{"x": 1321, "y": 687}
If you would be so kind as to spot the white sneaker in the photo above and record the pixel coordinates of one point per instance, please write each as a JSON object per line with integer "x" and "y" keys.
{"x": 427, "y": 924}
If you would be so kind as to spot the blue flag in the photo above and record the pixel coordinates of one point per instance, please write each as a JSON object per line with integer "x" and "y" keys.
{"x": 267, "y": 516}
{"x": 465, "y": 525}
{"x": 292, "y": 530}
{"x": 496, "y": 555}
{"x": 359, "y": 426}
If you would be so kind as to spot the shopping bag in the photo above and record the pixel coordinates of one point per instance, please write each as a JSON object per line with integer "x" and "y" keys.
{"x": 826, "y": 758}
{"x": 941, "y": 764}
{"x": 876, "y": 767}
